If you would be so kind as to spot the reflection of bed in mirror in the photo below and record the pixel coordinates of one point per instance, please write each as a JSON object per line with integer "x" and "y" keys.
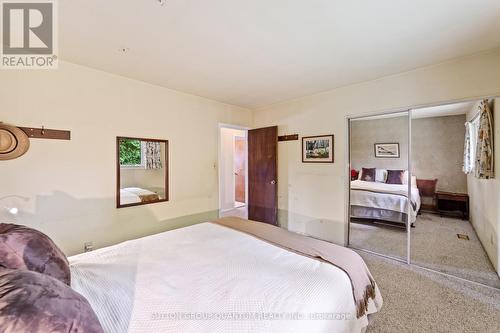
{"x": 131, "y": 195}
{"x": 383, "y": 202}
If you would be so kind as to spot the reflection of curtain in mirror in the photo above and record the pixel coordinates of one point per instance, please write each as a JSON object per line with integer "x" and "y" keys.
{"x": 484, "y": 150}
{"x": 468, "y": 151}
{"x": 153, "y": 155}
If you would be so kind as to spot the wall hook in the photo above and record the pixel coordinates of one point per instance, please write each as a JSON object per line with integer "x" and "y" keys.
{"x": 46, "y": 133}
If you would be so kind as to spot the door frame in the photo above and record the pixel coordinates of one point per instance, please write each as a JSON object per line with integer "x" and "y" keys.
{"x": 219, "y": 162}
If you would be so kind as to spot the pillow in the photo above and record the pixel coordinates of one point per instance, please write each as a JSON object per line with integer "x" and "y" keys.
{"x": 25, "y": 248}
{"x": 413, "y": 179}
{"x": 368, "y": 175}
{"x": 380, "y": 175}
{"x": 405, "y": 177}
{"x": 395, "y": 177}
{"x": 34, "y": 302}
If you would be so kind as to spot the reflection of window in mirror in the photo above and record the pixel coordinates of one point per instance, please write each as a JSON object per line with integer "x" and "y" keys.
{"x": 131, "y": 153}
{"x": 142, "y": 169}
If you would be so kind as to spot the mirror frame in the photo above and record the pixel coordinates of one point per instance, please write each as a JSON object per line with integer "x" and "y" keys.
{"x": 118, "y": 172}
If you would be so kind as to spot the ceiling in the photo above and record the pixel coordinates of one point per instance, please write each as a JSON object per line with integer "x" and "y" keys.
{"x": 260, "y": 52}
{"x": 444, "y": 110}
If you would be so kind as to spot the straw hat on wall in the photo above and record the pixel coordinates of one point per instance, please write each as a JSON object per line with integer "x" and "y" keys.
{"x": 13, "y": 142}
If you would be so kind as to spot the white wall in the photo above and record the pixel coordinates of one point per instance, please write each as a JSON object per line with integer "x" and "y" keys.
{"x": 366, "y": 132}
{"x": 485, "y": 198}
{"x": 71, "y": 184}
{"x": 438, "y": 151}
{"x": 312, "y": 197}
{"x": 143, "y": 178}
{"x": 227, "y": 140}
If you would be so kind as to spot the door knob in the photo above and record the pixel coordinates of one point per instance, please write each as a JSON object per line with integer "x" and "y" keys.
{"x": 273, "y": 182}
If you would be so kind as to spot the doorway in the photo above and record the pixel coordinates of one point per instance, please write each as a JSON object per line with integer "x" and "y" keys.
{"x": 240, "y": 171}
{"x": 233, "y": 175}
{"x": 248, "y": 173}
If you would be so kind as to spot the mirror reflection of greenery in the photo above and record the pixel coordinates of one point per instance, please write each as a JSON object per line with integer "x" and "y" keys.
{"x": 130, "y": 152}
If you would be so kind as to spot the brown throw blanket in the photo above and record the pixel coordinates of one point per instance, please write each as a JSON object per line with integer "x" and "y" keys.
{"x": 148, "y": 197}
{"x": 363, "y": 285}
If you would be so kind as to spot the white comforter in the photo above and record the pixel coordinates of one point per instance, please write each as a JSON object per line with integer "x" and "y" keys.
{"x": 131, "y": 195}
{"x": 385, "y": 196}
{"x": 157, "y": 283}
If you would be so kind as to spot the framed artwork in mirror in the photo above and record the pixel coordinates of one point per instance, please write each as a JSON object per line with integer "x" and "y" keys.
{"x": 142, "y": 171}
{"x": 387, "y": 150}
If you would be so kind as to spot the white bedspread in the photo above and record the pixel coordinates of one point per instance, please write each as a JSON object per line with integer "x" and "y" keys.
{"x": 130, "y": 195}
{"x": 154, "y": 284}
{"x": 385, "y": 196}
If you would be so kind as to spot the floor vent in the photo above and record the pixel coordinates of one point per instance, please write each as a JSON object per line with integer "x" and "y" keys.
{"x": 464, "y": 237}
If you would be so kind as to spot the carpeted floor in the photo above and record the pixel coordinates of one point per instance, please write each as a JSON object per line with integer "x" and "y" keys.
{"x": 241, "y": 211}
{"x": 416, "y": 300}
{"x": 434, "y": 245}
{"x": 387, "y": 240}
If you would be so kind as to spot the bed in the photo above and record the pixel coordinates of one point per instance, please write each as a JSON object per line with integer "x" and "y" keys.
{"x": 382, "y": 201}
{"x": 132, "y": 195}
{"x": 209, "y": 278}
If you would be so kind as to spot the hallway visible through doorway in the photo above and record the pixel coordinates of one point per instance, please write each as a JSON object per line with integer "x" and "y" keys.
{"x": 233, "y": 176}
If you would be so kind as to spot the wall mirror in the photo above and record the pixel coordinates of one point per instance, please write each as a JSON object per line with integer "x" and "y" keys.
{"x": 441, "y": 215}
{"x": 455, "y": 231}
{"x": 142, "y": 171}
{"x": 378, "y": 159}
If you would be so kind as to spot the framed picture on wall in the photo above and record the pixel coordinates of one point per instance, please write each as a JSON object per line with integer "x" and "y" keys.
{"x": 317, "y": 149}
{"x": 387, "y": 150}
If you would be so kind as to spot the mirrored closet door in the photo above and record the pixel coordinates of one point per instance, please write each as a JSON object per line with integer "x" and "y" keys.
{"x": 454, "y": 232}
{"x": 378, "y": 192}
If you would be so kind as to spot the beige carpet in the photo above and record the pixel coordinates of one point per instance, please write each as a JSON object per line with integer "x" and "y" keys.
{"x": 416, "y": 300}
{"x": 387, "y": 240}
{"x": 434, "y": 244}
{"x": 241, "y": 211}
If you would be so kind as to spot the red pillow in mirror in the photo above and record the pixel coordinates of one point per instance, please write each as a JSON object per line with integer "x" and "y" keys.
{"x": 25, "y": 248}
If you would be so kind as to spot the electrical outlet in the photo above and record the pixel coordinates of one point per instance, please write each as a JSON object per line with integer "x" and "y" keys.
{"x": 88, "y": 246}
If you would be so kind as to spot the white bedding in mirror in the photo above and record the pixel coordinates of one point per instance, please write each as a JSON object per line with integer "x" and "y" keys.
{"x": 154, "y": 284}
{"x": 131, "y": 195}
{"x": 390, "y": 197}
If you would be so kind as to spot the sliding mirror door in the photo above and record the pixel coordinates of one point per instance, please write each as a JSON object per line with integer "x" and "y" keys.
{"x": 456, "y": 229}
{"x": 378, "y": 204}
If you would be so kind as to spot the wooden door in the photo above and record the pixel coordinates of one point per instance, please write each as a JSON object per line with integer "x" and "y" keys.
{"x": 239, "y": 169}
{"x": 263, "y": 175}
